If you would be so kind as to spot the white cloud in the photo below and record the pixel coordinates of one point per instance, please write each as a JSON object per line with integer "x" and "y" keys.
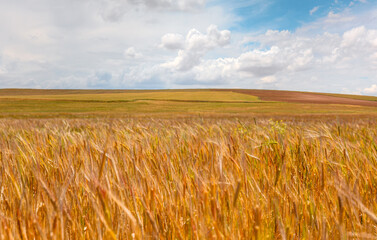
{"x": 298, "y": 61}
{"x": 337, "y": 18}
{"x": 355, "y": 1}
{"x": 371, "y": 90}
{"x": 353, "y": 36}
{"x": 268, "y": 79}
{"x": 218, "y": 71}
{"x": 172, "y": 41}
{"x": 340, "y": 22}
{"x": 279, "y": 51}
{"x": 132, "y": 53}
{"x": 182, "y": 5}
{"x": 261, "y": 63}
{"x": 282, "y": 59}
{"x": 115, "y": 10}
{"x": 3, "y": 70}
{"x": 48, "y": 44}
{"x": 98, "y": 44}
{"x": 196, "y": 46}
{"x": 313, "y": 10}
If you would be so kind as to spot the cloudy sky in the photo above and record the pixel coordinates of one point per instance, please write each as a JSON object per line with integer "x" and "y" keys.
{"x": 308, "y": 45}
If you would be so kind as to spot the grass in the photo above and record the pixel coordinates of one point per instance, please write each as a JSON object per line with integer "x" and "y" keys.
{"x": 202, "y": 178}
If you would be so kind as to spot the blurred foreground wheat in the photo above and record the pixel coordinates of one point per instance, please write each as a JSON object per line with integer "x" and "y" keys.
{"x": 188, "y": 179}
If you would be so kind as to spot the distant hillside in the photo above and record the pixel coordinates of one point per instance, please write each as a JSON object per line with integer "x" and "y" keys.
{"x": 57, "y": 103}
{"x": 308, "y": 97}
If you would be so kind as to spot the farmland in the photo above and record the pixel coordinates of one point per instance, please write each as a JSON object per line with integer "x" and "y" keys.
{"x": 185, "y": 165}
{"x": 118, "y": 103}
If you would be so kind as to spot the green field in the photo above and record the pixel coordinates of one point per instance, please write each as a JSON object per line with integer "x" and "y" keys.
{"x": 63, "y": 103}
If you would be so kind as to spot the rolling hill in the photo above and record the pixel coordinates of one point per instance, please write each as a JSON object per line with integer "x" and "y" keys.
{"x": 52, "y": 103}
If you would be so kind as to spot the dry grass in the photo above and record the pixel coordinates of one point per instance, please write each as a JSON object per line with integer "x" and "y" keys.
{"x": 188, "y": 179}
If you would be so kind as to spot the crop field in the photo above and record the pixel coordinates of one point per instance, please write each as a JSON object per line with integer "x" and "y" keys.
{"x": 26, "y": 103}
{"x": 189, "y": 164}
{"x": 190, "y": 178}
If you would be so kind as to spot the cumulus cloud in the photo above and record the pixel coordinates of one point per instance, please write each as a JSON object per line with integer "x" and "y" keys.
{"x": 371, "y": 90}
{"x": 261, "y": 63}
{"x": 292, "y": 57}
{"x": 300, "y": 52}
{"x": 172, "y": 41}
{"x": 94, "y": 44}
{"x": 268, "y": 79}
{"x": 196, "y": 45}
{"x": 217, "y": 71}
{"x": 278, "y": 51}
{"x": 62, "y": 44}
{"x": 359, "y": 36}
{"x": 353, "y": 36}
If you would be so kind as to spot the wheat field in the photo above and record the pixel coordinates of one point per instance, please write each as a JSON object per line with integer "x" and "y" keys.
{"x": 190, "y": 178}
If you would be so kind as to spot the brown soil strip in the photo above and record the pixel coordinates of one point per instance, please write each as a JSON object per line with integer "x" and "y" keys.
{"x": 302, "y": 97}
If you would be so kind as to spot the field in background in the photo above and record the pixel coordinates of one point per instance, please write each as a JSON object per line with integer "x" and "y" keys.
{"x": 91, "y": 103}
{"x": 309, "y": 97}
{"x": 201, "y": 96}
{"x": 201, "y": 178}
{"x": 360, "y": 97}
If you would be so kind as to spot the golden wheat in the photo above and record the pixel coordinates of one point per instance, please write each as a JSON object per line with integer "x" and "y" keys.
{"x": 188, "y": 179}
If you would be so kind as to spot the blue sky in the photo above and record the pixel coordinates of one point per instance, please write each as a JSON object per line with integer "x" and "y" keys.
{"x": 287, "y": 14}
{"x": 318, "y": 45}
